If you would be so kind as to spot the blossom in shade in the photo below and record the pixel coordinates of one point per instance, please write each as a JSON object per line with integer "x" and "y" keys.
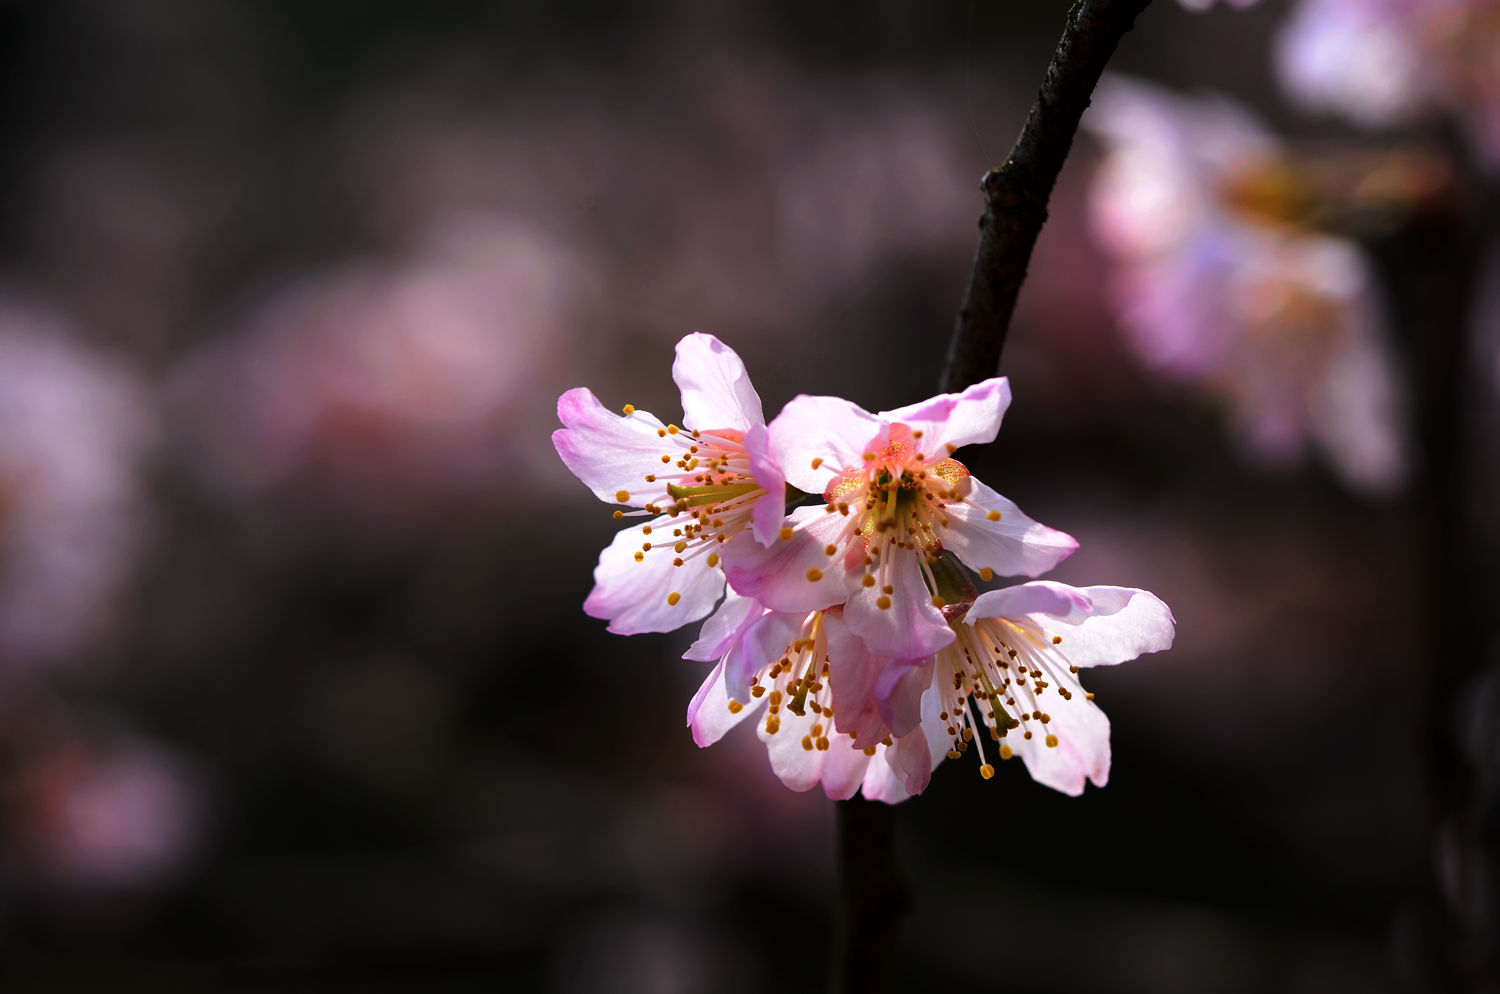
{"x": 1008, "y": 684}
{"x": 702, "y": 486}
{"x": 896, "y": 500}
{"x": 809, "y": 684}
{"x": 1220, "y": 284}
{"x": 1384, "y": 63}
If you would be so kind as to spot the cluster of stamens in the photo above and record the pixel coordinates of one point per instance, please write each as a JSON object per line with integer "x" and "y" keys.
{"x": 1001, "y": 670}
{"x": 709, "y": 493}
{"x": 896, "y": 502}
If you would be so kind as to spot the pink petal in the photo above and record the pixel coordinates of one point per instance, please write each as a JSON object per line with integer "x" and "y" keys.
{"x": 608, "y": 452}
{"x": 828, "y": 429}
{"x": 899, "y": 691}
{"x": 797, "y": 767}
{"x": 956, "y": 419}
{"x": 632, "y": 595}
{"x": 1057, "y": 600}
{"x": 716, "y": 390}
{"x": 723, "y": 628}
{"x": 778, "y": 576}
{"x": 844, "y": 766}
{"x": 910, "y": 628}
{"x": 1118, "y": 624}
{"x": 1013, "y": 546}
{"x": 852, "y": 673}
{"x": 764, "y": 641}
{"x": 771, "y": 509}
{"x": 708, "y": 713}
{"x": 881, "y": 782}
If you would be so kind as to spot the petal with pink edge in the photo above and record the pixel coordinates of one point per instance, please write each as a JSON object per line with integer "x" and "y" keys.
{"x": 708, "y": 713}
{"x": 608, "y": 452}
{"x": 1098, "y": 626}
{"x": 633, "y": 596}
{"x": 1082, "y": 750}
{"x": 778, "y": 576}
{"x": 830, "y": 430}
{"x": 765, "y": 640}
{"x": 716, "y": 390}
{"x": 723, "y": 628}
{"x": 908, "y": 626}
{"x": 852, "y": 674}
{"x": 1011, "y": 545}
{"x": 765, "y": 519}
{"x": 957, "y": 419}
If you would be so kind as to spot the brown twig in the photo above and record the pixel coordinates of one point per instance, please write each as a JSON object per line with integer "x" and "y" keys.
{"x": 1016, "y": 194}
{"x": 873, "y": 894}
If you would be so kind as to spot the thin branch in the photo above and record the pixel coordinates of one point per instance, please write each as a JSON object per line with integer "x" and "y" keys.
{"x": 1016, "y": 194}
{"x": 873, "y": 895}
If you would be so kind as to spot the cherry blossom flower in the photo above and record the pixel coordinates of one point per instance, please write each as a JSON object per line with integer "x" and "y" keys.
{"x": 703, "y": 485}
{"x": 896, "y": 499}
{"x": 814, "y": 683}
{"x": 1384, "y": 63}
{"x": 1010, "y": 678}
{"x": 1220, "y": 285}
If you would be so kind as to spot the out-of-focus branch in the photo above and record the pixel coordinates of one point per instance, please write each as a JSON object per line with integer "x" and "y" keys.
{"x": 873, "y": 894}
{"x": 1016, "y": 194}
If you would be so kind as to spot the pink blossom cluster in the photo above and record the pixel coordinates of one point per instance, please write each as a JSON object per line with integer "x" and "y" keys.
{"x": 851, "y": 632}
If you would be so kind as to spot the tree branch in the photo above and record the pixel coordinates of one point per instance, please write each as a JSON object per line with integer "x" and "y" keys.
{"x": 1016, "y": 194}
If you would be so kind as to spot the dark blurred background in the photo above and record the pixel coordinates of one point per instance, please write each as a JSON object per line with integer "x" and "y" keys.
{"x": 296, "y": 691}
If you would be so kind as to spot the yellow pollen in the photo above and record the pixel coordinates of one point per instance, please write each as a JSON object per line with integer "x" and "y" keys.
{"x": 1052, "y": 742}
{"x": 673, "y": 598}
{"x": 785, "y": 534}
{"x": 887, "y": 589}
{"x": 986, "y": 574}
{"x": 869, "y": 750}
{"x": 951, "y": 448}
{"x": 817, "y": 462}
{"x": 661, "y": 433}
{"x": 735, "y": 707}
{"x": 629, "y": 408}
{"x": 882, "y": 602}
{"x": 869, "y": 457}
{"x": 619, "y": 514}
{"x": 814, "y": 574}
{"x": 645, "y": 546}
{"x": 673, "y": 429}
{"x": 829, "y": 550}
{"x": 1088, "y": 695}
{"x": 869, "y": 580}
{"x": 1056, "y": 639}
{"x": 986, "y": 771}
{"x": 680, "y": 546}
{"x": 622, "y": 495}
{"x": 807, "y": 743}
{"x": 937, "y": 601}
{"x": 1006, "y": 752}
{"x": 640, "y": 557}
{"x": 677, "y": 561}
{"x": 713, "y": 559}
{"x": 993, "y": 515}
{"x": 645, "y": 530}
{"x": 666, "y": 458}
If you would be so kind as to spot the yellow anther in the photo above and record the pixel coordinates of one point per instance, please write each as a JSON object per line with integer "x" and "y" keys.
{"x": 937, "y": 601}
{"x": 629, "y": 408}
{"x": 785, "y": 534}
{"x": 619, "y": 514}
{"x": 645, "y": 530}
{"x": 887, "y": 589}
{"x": 814, "y": 575}
{"x": 986, "y": 771}
{"x": 680, "y": 546}
{"x": 1006, "y": 752}
{"x": 735, "y": 707}
{"x": 1052, "y": 742}
{"x": 1088, "y": 695}
{"x": 622, "y": 495}
{"x": 869, "y": 457}
{"x": 822, "y": 743}
{"x": 673, "y": 598}
{"x": 807, "y": 743}
{"x": 869, "y": 750}
{"x": 951, "y": 448}
{"x": 817, "y": 462}
{"x": 986, "y": 574}
{"x": 713, "y": 559}
{"x": 1056, "y": 639}
{"x": 829, "y": 550}
{"x": 677, "y": 561}
{"x": 882, "y": 602}
{"x": 993, "y": 515}
{"x": 661, "y": 432}
{"x": 640, "y": 557}
{"x": 673, "y": 429}
{"x": 868, "y": 581}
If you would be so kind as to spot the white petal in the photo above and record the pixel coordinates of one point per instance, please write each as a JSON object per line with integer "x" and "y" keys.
{"x": 632, "y": 595}
{"x": 723, "y": 627}
{"x": 716, "y": 390}
{"x": 957, "y": 419}
{"x": 1015, "y": 545}
{"x": 708, "y": 713}
{"x": 830, "y": 430}
{"x": 611, "y": 453}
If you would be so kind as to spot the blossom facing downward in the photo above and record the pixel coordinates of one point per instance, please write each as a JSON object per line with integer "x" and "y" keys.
{"x": 809, "y": 684}
{"x": 1383, "y": 63}
{"x": 703, "y": 486}
{"x": 1220, "y": 283}
{"x": 896, "y": 500}
{"x": 1009, "y": 683}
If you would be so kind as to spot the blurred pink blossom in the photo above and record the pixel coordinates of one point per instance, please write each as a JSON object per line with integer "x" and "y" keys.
{"x": 1383, "y": 63}
{"x": 114, "y": 816}
{"x": 1283, "y": 325}
{"x": 387, "y": 387}
{"x": 73, "y": 426}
